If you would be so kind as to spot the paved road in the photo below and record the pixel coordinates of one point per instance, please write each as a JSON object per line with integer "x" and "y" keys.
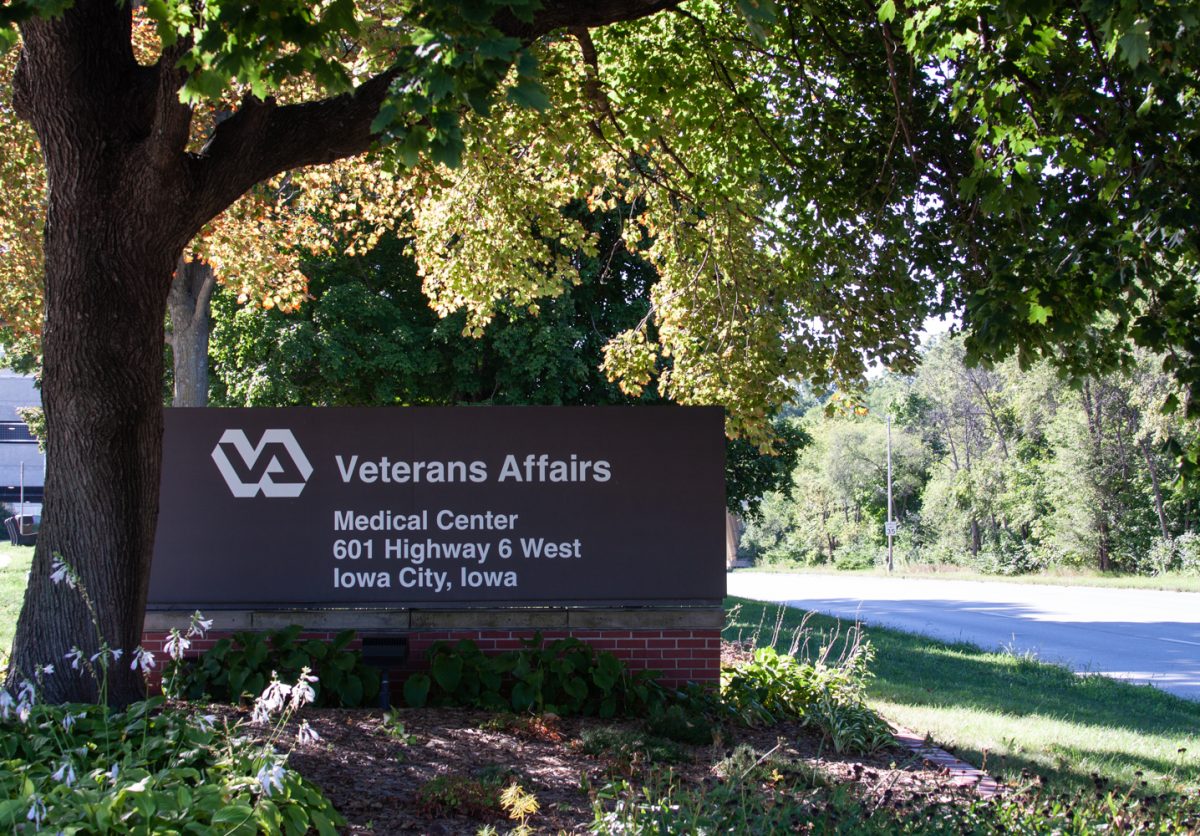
{"x": 1134, "y": 634}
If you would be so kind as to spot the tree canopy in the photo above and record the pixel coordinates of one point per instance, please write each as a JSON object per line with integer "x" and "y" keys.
{"x": 813, "y": 181}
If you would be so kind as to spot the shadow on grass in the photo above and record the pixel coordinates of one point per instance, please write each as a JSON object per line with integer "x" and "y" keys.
{"x": 916, "y": 671}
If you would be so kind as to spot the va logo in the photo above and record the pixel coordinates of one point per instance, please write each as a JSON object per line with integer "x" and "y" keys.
{"x": 277, "y": 466}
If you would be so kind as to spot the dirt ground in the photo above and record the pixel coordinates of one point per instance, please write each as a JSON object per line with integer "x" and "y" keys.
{"x": 373, "y": 768}
{"x": 440, "y": 770}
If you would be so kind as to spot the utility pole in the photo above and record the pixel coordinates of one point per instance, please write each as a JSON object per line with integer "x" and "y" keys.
{"x": 891, "y": 524}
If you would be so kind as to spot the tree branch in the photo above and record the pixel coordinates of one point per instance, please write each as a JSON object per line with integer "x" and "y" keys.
{"x": 263, "y": 139}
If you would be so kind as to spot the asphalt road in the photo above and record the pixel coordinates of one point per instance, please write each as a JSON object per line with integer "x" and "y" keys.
{"x": 1134, "y": 634}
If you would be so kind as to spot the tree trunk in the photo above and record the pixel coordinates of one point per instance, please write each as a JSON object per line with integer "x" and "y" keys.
{"x": 109, "y": 251}
{"x": 188, "y": 306}
{"x": 1158, "y": 497}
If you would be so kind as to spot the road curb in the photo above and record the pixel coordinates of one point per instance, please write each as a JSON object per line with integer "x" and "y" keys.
{"x": 959, "y": 772}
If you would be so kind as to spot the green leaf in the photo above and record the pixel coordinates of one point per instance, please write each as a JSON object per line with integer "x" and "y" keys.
{"x": 887, "y": 11}
{"x": 447, "y": 670}
{"x": 1039, "y": 314}
{"x": 529, "y": 93}
{"x": 238, "y": 817}
{"x": 416, "y": 690}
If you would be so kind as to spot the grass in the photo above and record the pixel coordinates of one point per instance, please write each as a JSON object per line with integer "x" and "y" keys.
{"x": 1172, "y": 581}
{"x": 1008, "y": 714}
{"x": 14, "y": 575}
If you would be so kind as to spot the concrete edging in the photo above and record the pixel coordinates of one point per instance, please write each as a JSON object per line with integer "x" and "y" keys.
{"x": 417, "y": 620}
{"x": 960, "y": 773}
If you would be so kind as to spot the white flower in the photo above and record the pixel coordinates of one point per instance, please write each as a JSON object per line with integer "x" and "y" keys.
{"x": 270, "y": 778}
{"x": 37, "y": 812}
{"x": 206, "y": 721}
{"x": 302, "y": 692}
{"x": 23, "y": 711}
{"x": 47, "y": 670}
{"x": 26, "y": 692}
{"x": 142, "y": 659}
{"x": 306, "y": 734}
{"x": 65, "y": 774}
{"x": 68, "y": 721}
{"x": 104, "y": 653}
{"x": 74, "y": 656}
{"x": 60, "y": 572}
{"x": 175, "y": 645}
{"x": 6, "y": 704}
{"x": 199, "y": 625}
{"x": 113, "y": 772}
{"x": 275, "y": 695}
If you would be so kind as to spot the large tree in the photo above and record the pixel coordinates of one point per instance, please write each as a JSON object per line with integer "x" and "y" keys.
{"x": 701, "y": 117}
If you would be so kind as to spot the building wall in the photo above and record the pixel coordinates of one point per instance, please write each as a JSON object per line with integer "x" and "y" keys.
{"x": 17, "y": 447}
{"x": 681, "y": 644}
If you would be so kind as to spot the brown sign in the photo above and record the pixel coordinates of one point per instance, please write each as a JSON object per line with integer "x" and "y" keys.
{"x": 440, "y": 507}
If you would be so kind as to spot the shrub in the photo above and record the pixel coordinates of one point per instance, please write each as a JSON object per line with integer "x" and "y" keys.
{"x": 565, "y": 677}
{"x": 239, "y": 668}
{"x": 830, "y": 698}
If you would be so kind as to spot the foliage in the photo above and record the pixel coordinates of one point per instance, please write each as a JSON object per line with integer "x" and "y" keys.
{"x": 756, "y": 805}
{"x": 461, "y": 795}
{"x": 627, "y": 745}
{"x": 680, "y": 721}
{"x": 83, "y": 768}
{"x": 240, "y": 667}
{"x": 830, "y": 698}
{"x": 566, "y": 676}
{"x": 1084, "y": 125}
{"x": 1002, "y": 469}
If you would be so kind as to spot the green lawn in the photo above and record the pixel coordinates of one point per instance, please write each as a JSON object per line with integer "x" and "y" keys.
{"x": 1172, "y": 581}
{"x": 14, "y": 574}
{"x": 1008, "y": 713}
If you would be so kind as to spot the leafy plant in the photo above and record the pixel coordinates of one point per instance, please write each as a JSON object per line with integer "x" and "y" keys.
{"x": 79, "y": 768}
{"x": 626, "y": 744}
{"x": 734, "y": 807}
{"x": 459, "y": 795}
{"x": 774, "y": 687}
{"x": 236, "y": 668}
{"x": 567, "y": 676}
{"x": 681, "y": 722}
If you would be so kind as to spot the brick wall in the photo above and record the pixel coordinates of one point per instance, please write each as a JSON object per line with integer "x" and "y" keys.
{"x": 679, "y": 654}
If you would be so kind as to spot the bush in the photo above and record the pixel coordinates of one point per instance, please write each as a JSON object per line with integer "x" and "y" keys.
{"x": 829, "y": 698}
{"x": 239, "y": 668}
{"x": 565, "y": 677}
{"x": 1175, "y": 554}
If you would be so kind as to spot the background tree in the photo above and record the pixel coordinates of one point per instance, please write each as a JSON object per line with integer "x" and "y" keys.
{"x": 1002, "y": 470}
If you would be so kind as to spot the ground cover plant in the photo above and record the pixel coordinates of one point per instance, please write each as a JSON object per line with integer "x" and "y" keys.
{"x": 1012, "y": 715}
{"x": 150, "y": 767}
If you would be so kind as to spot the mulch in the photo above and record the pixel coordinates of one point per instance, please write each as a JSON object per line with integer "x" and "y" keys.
{"x": 373, "y": 764}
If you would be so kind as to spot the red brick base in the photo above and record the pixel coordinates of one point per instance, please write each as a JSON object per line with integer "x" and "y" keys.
{"x": 679, "y": 655}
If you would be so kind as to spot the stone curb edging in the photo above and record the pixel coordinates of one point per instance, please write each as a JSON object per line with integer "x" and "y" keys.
{"x": 960, "y": 773}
